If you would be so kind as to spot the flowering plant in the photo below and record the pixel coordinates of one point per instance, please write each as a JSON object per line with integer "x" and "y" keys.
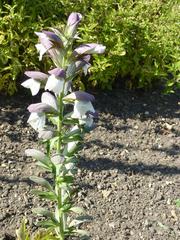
{"x": 61, "y": 131}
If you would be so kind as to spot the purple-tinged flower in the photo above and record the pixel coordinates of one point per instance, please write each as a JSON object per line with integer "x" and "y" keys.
{"x": 82, "y": 63}
{"x": 72, "y": 23}
{"x": 41, "y": 50}
{"x": 90, "y": 48}
{"x": 48, "y": 104}
{"x": 79, "y": 96}
{"x": 58, "y": 72}
{"x": 81, "y": 108}
{"x": 46, "y": 133}
{"x": 54, "y": 38}
{"x": 37, "y": 117}
{"x": 48, "y": 40}
{"x": 34, "y": 83}
{"x": 56, "y": 81}
{"x": 40, "y": 107}
{"x": 37, "y": 120}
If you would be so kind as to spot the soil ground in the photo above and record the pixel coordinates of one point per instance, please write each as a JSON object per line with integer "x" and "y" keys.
{"x": 129, "y": 169}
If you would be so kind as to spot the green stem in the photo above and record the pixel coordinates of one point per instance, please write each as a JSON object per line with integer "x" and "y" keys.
{"x": 58, "y": 190}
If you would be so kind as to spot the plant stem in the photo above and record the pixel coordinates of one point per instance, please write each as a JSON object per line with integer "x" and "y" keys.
{"x": 60, "y": 191}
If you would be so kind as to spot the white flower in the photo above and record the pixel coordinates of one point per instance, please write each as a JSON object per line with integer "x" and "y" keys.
{"x": 33, "y": 84}
{"x": 37, "y": 120}
{"x": 35, "y": 80}
{"x": 56, "y": 84}
{"x": 41, "y": 50}
{"x": 81, "y": 108}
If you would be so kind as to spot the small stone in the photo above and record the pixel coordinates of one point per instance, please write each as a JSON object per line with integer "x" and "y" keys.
{"x": 168, "y": 126}
{"x": 112, "y": 225}
{"x": 146, "y": 113}
{"x": 106, "y": 193}
{"x": 173, "y": 213}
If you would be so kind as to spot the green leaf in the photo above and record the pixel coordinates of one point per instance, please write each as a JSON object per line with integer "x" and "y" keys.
{"x": 44, "y": 212}
{"x": 84, "y": 234}
{"x": 22, "y": 233}
{"x": 43, "y": 182}
{"x": 77, "y": 210}
{"x": 72, "y": 138}
{"x": 45, "y": 195}
{"x": 45, "y": 165}
{"x": 79, "y": 220}
{"x": 53, "y": 142}
{"x": 177, "y": 201}
{"x": 66, "y": 207}
{"x": 72, "y": 133}
{"x": 48, "y": 224}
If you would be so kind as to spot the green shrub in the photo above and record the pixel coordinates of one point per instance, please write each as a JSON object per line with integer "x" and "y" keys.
{"x": 142, "y": 39}
{"x": 18, "y": 22}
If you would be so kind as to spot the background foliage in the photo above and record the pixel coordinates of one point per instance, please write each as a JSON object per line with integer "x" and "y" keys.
{"x": 142, "y": 39}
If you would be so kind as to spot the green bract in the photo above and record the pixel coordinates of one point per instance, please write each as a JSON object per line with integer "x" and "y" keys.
{"x": 62, "y": 132}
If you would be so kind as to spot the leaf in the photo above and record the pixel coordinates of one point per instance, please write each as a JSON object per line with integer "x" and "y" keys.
{"x": 46, "y": 195}
{"x": 43, "y": 182}
{"x": 84, "y": 234}
{"x": 79, "y": 220}
{"x": 53, "y": 141}
{"x": 77, "y": 210}
{"x": 43, "y": 165}
{"x": 48, "y": 224}
{"x": 22, "y": 233}
{"x": 66, "y": 207}
{"x": 44, "y": 212}
{"x": 38, "y": 155}
{"x": 72, "y": 138}
{"x": 177, "y": 201}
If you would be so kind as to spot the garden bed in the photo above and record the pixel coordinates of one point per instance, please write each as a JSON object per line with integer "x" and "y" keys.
{"x": 128, "y": 174}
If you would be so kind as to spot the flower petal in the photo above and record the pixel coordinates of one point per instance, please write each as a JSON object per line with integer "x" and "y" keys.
{"x": 54, "y": 84}
{"x": 33, "y": 85}
{"x": 79, "y": 95}
{"x": 74, "y": 18}
{"x": 53, "y": 37}
{"x": 36, "y": 75}
{"x": 90, "y": 48}
{"x": 58, "y": 72}
{"x": 40, "y": 108}
{"x": 46, "y": 134}
{"x": 49, "y": 99}
{"x": 37, "y": 120}
{"x": 41, "y": 50}
{"x": 72, "y": 23}
{"x": 81, "y": 108}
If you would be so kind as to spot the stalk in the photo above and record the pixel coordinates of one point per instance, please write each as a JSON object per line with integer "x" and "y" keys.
{"x": 58, "y": 190}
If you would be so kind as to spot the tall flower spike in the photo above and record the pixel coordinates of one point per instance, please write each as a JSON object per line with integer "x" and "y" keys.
{"x": 35, "y": 81}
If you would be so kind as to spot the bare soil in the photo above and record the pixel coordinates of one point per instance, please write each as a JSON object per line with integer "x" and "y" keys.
{"x": 129, "y": 169}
